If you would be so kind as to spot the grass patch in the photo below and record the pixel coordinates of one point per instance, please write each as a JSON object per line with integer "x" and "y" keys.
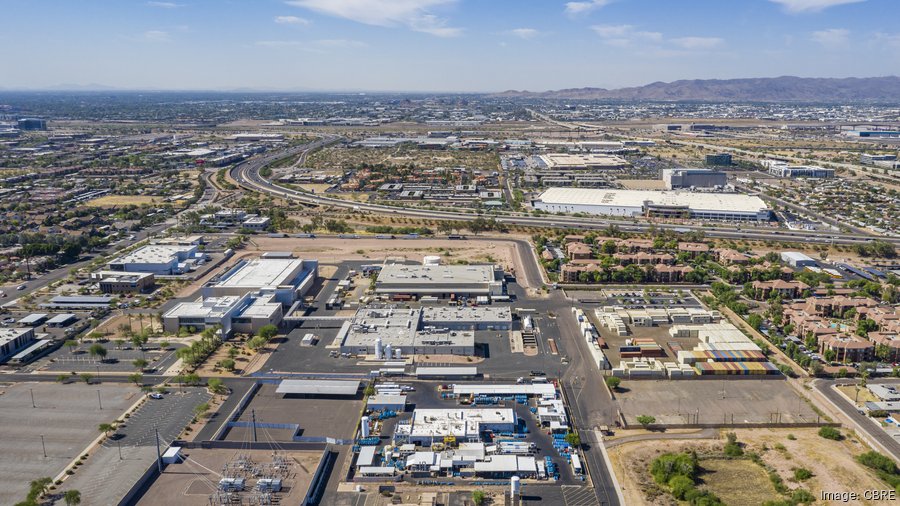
{"x": 738, "y": 482}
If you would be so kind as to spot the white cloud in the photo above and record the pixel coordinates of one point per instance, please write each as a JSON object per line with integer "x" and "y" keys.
{"x": 698, "y": 42}
{"x": 157, "y": 35}
{"x": 891, "y": 39}
{"x": 575, "y": 8}
{"x": 833, "y": 37}
{"x": 291, "y": 20}
{"x": 796, "y": 6}
{"x": 524, "y": 33}
{"x": 624, "y": 35}
{"x": 165, "y": 5}
{"x": 413, "y": 14}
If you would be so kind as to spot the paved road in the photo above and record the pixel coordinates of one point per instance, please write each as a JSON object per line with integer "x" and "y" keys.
{"x": 862, "y": 422}
{"x": 247, "y": 175}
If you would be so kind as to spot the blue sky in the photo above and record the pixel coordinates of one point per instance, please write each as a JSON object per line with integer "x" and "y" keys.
{"x": 438, "y": 45}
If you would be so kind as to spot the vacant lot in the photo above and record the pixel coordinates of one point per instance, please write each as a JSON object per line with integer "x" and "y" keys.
{"x": 714, "y": 401}
{"x": 67, "y": 416}
{"x": 740, "y": 482}
{"x": 122, "y": 200}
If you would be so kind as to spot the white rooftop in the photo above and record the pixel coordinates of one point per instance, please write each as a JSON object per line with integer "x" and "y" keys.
{"x": 263, "y": 272}
{"x": 435, "y": 274}
{"x": 318, "y": 387}
{"x": 636, "y": 198}
{"x": 154, "y": 254}
{"x": 210, "y": 307}
{"x": 456, "y": 422}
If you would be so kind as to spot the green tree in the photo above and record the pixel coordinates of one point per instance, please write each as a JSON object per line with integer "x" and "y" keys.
{"x": 267, "y": 332}
{"x": 646, "y": 420}
{"x": 201, "y": 410}
{"x": 106, "y": 428}
{"x": 216, "y": 386}
{"x": 227, "y": 364}
{"x": 830, "y": 433}
{"x": 802, "y": 474}
{"x": 755, "y": 321}
{"x": 140, "y": 364}
{"x": 478, "y": 497}
{"x": 71, "y": 344}
{"x": 613, "y": 382}
{"x": 72, "y": 497}
{"x": 97, "y": 350}
{"x": 573, "y": 439}
{"x": 136, "y": 378}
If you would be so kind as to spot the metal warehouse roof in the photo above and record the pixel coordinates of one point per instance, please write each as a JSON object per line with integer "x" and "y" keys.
{"x": 524, "y": 389}
{"x": 446, "y": 371}
{"x": 318, "y": 387}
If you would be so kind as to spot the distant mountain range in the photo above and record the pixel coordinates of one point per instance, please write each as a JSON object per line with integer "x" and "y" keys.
{"x": 766, "y": 89}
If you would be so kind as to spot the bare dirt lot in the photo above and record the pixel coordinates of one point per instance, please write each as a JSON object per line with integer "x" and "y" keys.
{"x": 499, "y": 251}
{"x": 741, "y": 482}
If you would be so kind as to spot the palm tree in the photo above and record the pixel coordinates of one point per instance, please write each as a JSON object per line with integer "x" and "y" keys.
{"x": 72, "y": 497}
{"x": 105, "y": 428}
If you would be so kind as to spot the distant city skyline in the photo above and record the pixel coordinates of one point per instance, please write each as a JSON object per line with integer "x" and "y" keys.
{"x": 437, "y": 45}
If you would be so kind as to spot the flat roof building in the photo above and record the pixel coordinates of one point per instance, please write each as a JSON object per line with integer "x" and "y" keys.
{"x": 467, "y": 317}
{"x": 386, "y": 331}
{"x": 286, "y": 278}
{"x": 696, "y": 178}
{"x": 797, "y": 260}
{"x": 245, "y": 313}
{"x": 14, "y": 340}
{"x": 159, "y": 259}
{"x": 571, "y": 161}
{"x": 675, "y": 204}
{"x": 466, "y": 424}
{"x": 440, "y": 280}
{"x": 123, "y": 282}
{"x": 343, "y": 388}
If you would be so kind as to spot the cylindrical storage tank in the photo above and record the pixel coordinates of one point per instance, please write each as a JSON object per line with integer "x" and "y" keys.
{"x": 398, "y": 353}
{"x": 388, "y": 351}
{"x": 514, "y": 486}
{"x": 364, "y": 427}
{"x": 378, "y": 350}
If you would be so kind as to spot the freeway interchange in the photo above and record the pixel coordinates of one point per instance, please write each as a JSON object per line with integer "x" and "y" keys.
{"x": 247, "y": 175}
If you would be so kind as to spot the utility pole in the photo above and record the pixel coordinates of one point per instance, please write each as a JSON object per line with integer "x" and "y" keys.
{"x": 43, "y": 446}
{"x": 253, "y": 418}
{"x": 120, "y": 451}
{"x": 32, "y": 397}
{"x": 158, "y": 454}
{"x": 98, "y": 399}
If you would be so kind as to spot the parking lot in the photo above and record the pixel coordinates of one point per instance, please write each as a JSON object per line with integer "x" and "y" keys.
{"x": 67, "y": 416}
{"x": 720, "y": 402}
{"x": 79, "y": 359}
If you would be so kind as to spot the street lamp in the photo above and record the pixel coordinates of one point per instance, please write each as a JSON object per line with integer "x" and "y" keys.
{"x": 43, "y": 446}
{"x": 98, "y": 399}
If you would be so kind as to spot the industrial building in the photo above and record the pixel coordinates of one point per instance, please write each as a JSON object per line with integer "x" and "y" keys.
{"x": 693, "y": 178}
{"x": 797, "y": 260}
{"x": 467, "y": 317}
{"x": 124, "y": 282}
{"x": 14, "y": 340}
{"x": 589, "y": 161}
{"x": 286, "y": 279}
{"x": 718, "y": 159}
{"x": 465, "y": 424}
{"x": 159, "y": 259}
{"x": 779, "y": 168}
{"x": 245, "y": 313}
{"x": 670, "y": 204}
{"x": 399, "y": 280}
{"x": 387, "y": 332}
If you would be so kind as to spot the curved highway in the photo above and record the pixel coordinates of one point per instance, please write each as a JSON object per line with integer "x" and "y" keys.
{"x": 247, "y": 175}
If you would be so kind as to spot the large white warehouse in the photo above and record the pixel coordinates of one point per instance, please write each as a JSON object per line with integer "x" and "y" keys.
{"x": 673, "y": 204}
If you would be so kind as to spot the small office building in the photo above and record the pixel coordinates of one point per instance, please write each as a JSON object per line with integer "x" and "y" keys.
{"x": 285, "y": 279}
{"x": 442, "y": 281}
